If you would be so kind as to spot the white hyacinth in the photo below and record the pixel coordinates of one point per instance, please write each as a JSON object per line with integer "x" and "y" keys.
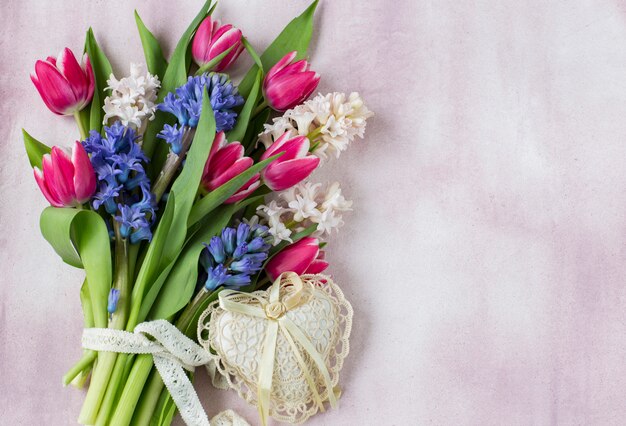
{"x": 305, "y": 204}
{"x": 133, "y": 98}
{"x": 331, "y": 121}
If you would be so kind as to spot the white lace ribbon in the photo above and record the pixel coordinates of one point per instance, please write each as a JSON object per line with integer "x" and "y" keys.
{"x": 172, "y": 352}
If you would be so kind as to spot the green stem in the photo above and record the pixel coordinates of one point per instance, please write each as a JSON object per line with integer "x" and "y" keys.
{"x": 149, "y": 400}
{"x": 119, "y": 318}
{"x": 81, "y": 126}
{"x": 140, "y": 372}
{"x": 132, "y": 390}
{"x": 314, "y": 134}
{"x": 259, "y": 109}
{"x": 87, "y": 359}
{"x": 93, "y": 405}
{"x": 171, "y": 166}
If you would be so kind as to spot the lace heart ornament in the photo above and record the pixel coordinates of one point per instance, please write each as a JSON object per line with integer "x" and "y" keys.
{"x": 281, "y": 349}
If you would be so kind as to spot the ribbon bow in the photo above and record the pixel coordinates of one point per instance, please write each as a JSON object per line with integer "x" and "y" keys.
{"x": 274, "y": 310}
{"x": 172, "y": 352}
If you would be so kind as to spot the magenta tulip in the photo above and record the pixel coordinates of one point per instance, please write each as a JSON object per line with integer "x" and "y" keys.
{"x": 295, "y": 165}
{"x": 289, "y": 84}
{"x": 212, "y": 39}
{"x": 65, "y": 86}
{"x": 226, "y": 160}
{"x": 302, "y": 257}
{"x": 67, "y": 180}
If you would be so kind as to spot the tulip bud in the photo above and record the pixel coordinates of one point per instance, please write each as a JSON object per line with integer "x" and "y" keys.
{"x": 227, "y": 160}
{"x": 302, "y": 257}
{"x": 212, "y": 39}
{"x": 289, "y": 84}
{"x": 66, "y": 181}
{"x": 295, "y": 165}
{"x": 65, "y": 86}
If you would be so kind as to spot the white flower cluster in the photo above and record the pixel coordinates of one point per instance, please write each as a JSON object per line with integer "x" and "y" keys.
{"x": 303, "y": 205}
{"x": 132, "y": 98}
{"x": 331, "y": 121}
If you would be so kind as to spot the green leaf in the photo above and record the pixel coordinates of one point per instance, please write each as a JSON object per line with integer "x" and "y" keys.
{"x": 192, "y": 330}
{"x": 181, "y": 282}
{"x": 152, "y": 265}
{"x": 175, "y": 75}
{"x": 213, "y": 199}
{"x": 239, "y": 131}
{"x": 295, "y": 36}
{"x": 95, "y": 114}
{"x": 252, "y": 133}
{"x": 187, "y": 183}
{"x": 81, "y": 238}
{"x": 184, "y": 191}
{"x": 102, "y": 71}
{"x": 151, "y": 49}
{"x": 213, "y": 62}
{"x": 85, "y": 302}
{"x": 255, "y": 56}
{"x": 34, "y": 149}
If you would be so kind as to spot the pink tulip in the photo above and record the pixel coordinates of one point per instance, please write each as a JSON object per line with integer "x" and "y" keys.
{"x": 293, "y": 166}
{"x": 65, "y": 86}
{"x": 226, "y": 160}
{"x": 289, "y": 84}
{"x": 212, "y": 39}
{"x": 66, "y": 181}
{"x": 302, "y": 257}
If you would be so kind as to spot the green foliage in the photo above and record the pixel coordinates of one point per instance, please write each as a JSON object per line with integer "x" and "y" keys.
{"x": 155, "y": 60}
{"x": 82, "y": 240}
{"x": 34, "y": 149}
{"x": 295, "y": 36}
{"x": 101, "y": 70}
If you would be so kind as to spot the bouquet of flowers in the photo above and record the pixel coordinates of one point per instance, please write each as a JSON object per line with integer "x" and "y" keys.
{"x": 187, "y": 201}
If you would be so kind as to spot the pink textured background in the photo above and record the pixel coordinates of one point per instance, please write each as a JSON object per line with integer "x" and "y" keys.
{"x": 485, "y": 258}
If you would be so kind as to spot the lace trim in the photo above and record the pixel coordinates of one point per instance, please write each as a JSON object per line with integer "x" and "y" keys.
{"x": 237, "y": 339}
{"x": 171, "y": 351}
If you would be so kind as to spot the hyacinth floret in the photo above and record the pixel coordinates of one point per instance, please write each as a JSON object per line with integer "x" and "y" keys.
{"x": 186, "y": 102}
{"x": 232, "y": 257}
{"x": 119, "y": 164}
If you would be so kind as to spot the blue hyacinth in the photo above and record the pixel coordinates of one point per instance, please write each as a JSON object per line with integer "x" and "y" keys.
{"x": 123, "y": 186}
{"x": 186, "y": 103}
{"x": 231, "y": 258}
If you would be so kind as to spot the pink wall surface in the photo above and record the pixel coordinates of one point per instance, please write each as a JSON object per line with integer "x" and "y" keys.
{"x": 485, "y": 257}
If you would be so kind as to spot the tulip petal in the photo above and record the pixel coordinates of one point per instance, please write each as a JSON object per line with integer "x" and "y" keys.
{"x": 230, "y": 58}
{"x": 283, "y": 94}
{"x": 84, "y": 175}
{"x": 245, "y": 190}
{"x": 48, "y": 174}
{"x": 235, "y": 169}
{"x": 316, "y": 267}
{"x": 71, "y": 70}
{"x": 91, "y": 79}
{"x": 39, "y": 178}
{"x": 63, "y": 179}
{"x": 294, "y": 258}
{"x": 292, "y": 147}
{"x": 284, "y": 175}
{"x": 37, "y": 84}
{"x": 54, "y": 89}
{"x": 225, "y": 157}
{"x": 202, "y": 41}
{"x": 292, "y": 69}
{"x": 280, "y": 65}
